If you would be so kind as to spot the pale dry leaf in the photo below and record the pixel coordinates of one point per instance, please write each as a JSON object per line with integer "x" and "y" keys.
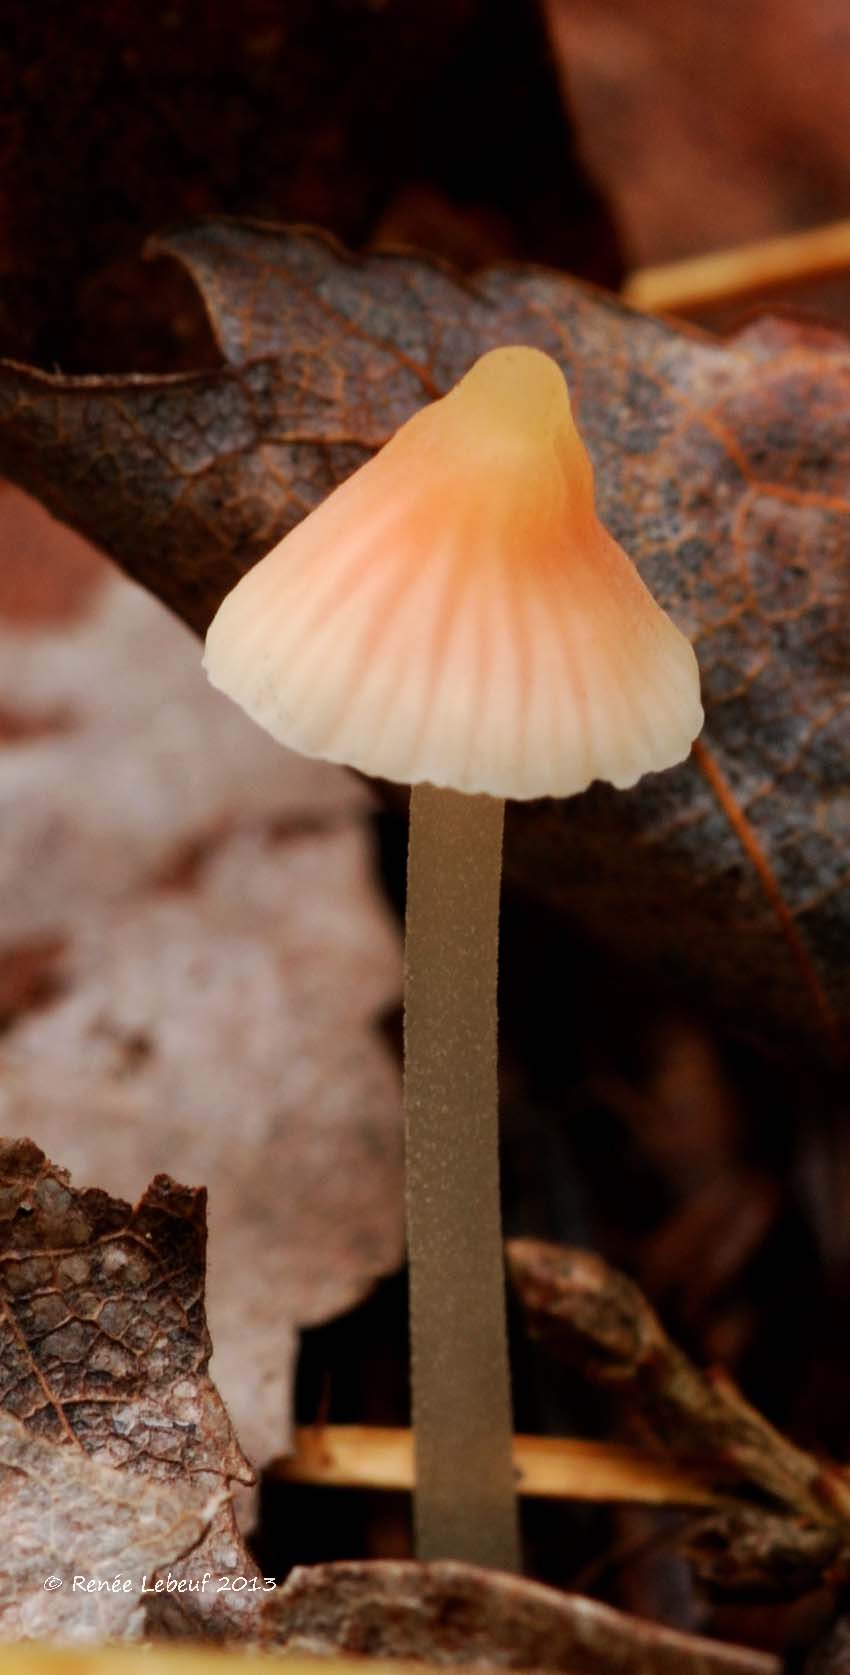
{"x": 206, "y": 956}
{"x": 65, "y": 1516}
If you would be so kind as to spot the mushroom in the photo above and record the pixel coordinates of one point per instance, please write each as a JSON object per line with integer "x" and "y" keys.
{"x": 455, "y": 617}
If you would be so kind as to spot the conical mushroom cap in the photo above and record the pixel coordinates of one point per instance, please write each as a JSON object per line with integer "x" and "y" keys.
{"x": 455, "y": 612}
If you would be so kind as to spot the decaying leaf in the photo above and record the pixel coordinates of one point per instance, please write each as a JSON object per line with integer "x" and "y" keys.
{"x": 103, "y": 1353}
{"x": 192, "y": 972}
{"x": 448, "y": 1613}
{"x": 784, "y": 1526}
{"x": 67, "y": 1521}
{"x": 721, "y": 467}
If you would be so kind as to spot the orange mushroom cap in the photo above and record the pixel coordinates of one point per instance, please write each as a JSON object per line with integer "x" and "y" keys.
{"x": 455, "y": 611}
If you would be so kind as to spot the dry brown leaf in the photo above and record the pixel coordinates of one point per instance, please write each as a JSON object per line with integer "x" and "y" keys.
{"x": 67, "y": 1520}
{"x": 193, "y": 970}
{"x": 448, "y": 1613}
{"x": 784, "y": 1527}
{"x": 708, "y": 125}
{"x": 103, "y": 1340}
{"x": 104, "y": 1349}
{"x": 722, "y": 468}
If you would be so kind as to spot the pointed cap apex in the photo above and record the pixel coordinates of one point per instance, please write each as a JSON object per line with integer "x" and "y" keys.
{"x": 456, "y": 612}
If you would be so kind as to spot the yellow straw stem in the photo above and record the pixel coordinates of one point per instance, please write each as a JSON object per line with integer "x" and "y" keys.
{"x": 545, "y": 1468}
{"x": 747, "y": 270}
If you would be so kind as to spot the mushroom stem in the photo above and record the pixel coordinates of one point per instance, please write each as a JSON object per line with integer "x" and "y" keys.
{"x": 465, "y": 1502}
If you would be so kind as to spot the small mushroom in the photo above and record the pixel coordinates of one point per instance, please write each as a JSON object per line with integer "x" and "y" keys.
{"x": 455, "y": 617}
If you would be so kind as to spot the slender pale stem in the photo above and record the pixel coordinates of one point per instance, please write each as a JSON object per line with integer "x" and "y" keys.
{"x": 465, "y": 1501}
